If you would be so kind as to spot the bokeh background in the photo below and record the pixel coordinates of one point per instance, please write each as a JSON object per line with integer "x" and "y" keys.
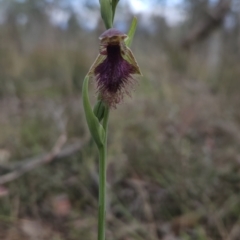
{"x": 174, "y": 147}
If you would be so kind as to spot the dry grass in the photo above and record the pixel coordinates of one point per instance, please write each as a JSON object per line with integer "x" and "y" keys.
{"x": 173, "y": 150}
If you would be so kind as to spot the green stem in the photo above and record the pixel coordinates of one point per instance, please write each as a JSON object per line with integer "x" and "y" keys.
{"x": 102, "y": 181}
{"x": 105, "y": 121}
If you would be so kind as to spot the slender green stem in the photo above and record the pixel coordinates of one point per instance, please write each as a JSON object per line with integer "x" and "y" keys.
{"x": 102, "y": 194}
{"x": 105, "y": 121}
{"x": 102, "y": 181}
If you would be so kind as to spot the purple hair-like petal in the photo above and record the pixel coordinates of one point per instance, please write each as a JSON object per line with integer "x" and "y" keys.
{"x": 113, "y": 76}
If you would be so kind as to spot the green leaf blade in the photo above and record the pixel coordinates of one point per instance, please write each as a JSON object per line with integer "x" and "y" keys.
{"x": 94, "y": 126}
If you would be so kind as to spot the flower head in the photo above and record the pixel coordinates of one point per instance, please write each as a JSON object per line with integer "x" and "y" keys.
{"x": 114, "y": 67}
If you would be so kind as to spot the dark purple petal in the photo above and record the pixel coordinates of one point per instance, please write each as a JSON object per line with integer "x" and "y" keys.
{"x": 113, "y": 76}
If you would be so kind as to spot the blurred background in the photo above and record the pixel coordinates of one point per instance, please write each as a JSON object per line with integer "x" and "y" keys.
{"x": 174, "y": 147}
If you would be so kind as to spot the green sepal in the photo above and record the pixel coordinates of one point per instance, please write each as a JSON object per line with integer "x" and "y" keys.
{"x": 99, "y": 110}
{"x": 129, "y": 57}
{"x": 106, "y": 12}
{"x": 131, "y": 32}
{"x": 96, "y": 129}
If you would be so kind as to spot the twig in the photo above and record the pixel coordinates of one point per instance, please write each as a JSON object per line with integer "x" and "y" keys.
{"x": 56, "y": 153}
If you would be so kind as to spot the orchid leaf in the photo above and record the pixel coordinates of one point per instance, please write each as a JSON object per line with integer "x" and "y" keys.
{"x": 94, "y": 125}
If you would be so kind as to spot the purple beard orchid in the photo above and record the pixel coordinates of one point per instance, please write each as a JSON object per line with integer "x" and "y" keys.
{"x": 114, "y": 67}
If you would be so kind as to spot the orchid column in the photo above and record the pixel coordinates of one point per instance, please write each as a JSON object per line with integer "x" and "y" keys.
{"x": 113, "y": 72}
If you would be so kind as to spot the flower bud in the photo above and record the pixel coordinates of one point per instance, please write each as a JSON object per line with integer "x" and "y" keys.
{"x": 99, "y": 110}
{"x": 106, "y": 12}
{"x": 114, "y": 5}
